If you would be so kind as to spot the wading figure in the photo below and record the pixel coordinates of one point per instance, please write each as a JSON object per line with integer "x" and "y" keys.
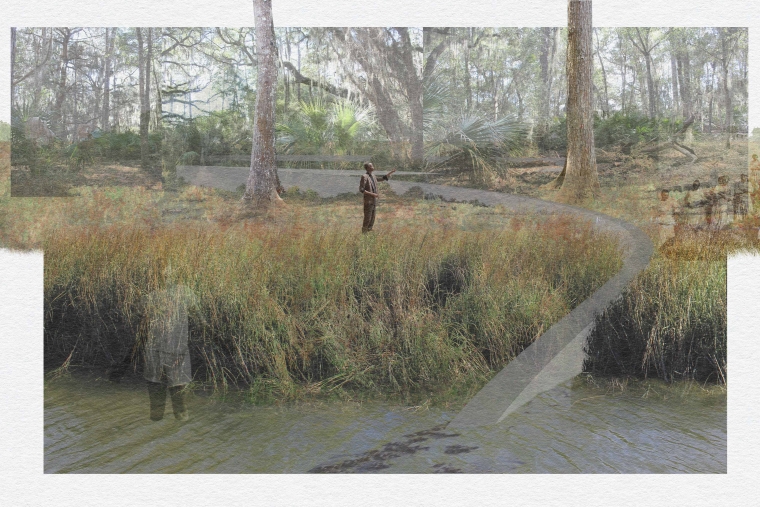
{"x": 668, "y": 215}
{"x": 720, "y": 197}
{"x": 167, "y": 356}
{"x": 694, "y": 201}
{"x": 368, "y": 187}
{"x": 741, "y": 198}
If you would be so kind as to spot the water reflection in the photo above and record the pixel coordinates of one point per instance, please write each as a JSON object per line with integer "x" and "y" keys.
{"x": 572, "y": 428}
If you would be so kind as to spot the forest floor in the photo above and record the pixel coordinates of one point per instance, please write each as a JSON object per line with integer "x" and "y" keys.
{"x": 61, "y": 181}
{"x": 629, "y": 184}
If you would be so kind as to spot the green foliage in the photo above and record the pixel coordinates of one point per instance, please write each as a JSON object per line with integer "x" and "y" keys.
{"x": 436, "y": 93}
{"x": 119, "y": 146}
{"x": 474, "y": 144}
{"x": 630, "y": 129}
{"x": 5, "y": 132}
{"x": 618, "y": 130}
{"x": 554, "y": 136}
{"x": 81, "y": 154}
{"x": 220, "y": 133}
{"x": 319, "y": 127}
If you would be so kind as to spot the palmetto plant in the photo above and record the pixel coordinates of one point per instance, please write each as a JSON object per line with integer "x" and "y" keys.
{"x": 473, "y": 143}
{"x": 319, "y": 127}
{"x": 466, "y": 141}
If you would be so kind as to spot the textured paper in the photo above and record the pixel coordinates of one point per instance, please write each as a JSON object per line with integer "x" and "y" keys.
{"x": 23, "y": 481}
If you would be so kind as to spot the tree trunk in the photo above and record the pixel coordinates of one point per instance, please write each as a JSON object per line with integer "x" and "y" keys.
{"x": 58, "y": 120}
{"x": 548, "y": 51}
{"x": 726, "y": 79}
{"x": 261, "y": 188}
{"x": 650, "y": 86}
{"x": 148, "y": 71}
{"x": 285, "y": 77}
{"x": 623, "y": 68}
{"x": 674, "y": 79}
{"x": 298, "y": 85}
{"x": 710, "y": 104}
{"x": 13, "y": 64}
{"x": 685, "y": 79}
{"x": 159, "y": 114}
{"x": 413, "y": 85}
{"x": 144, "y": 84}
{"x": 641, "y": 77}
{"x": 580, "y": 178}
{"x": 606, "y": 103}
{"x": 105, "y": 112}
{"x": 467, "y": 87}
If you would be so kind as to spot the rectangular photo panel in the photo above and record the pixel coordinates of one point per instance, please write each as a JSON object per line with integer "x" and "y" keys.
{"x": 382, "y": 249}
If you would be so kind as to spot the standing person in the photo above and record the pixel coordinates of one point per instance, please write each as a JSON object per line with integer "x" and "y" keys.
{"x": 167, "y": 356}
{"x": 368, "y": 187}
{"x": 721, "y": 198}
{"x": 695, "y": 203}
{"x": 741, "y": 193}
{"x": 754, "y": 181}
{"x": 668, "y": 216}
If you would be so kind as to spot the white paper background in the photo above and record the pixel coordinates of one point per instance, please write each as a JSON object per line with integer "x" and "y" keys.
{"x": 22, "y": 481}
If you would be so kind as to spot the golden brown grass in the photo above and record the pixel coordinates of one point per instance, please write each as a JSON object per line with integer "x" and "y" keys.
{"x": 297, "y": 301}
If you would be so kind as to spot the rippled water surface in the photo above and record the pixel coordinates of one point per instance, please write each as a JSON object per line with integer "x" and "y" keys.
{"x": 92, "y": 425}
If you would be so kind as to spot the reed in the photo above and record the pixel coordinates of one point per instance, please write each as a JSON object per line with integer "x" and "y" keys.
{"x": 671, "y": 322}
{"x": 292, "y": 310}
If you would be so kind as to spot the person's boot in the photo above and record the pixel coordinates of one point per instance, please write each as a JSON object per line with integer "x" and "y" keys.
{"x": 178, "y": 403}
{"x": 157, "y": 394}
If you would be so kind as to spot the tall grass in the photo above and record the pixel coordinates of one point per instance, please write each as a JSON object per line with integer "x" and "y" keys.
{"x": 671, "y": 321}
{"x": 291, "y": 309}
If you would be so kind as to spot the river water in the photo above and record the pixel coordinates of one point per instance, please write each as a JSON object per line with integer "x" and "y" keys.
{"x": 94, "y": 426}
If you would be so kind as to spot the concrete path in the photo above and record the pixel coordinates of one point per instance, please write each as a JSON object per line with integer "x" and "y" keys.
{"x": 557, "y": 355}
{"x": 326, "y": 182}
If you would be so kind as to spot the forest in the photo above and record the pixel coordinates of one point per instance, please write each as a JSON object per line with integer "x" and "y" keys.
{"x": 411, "y": 97}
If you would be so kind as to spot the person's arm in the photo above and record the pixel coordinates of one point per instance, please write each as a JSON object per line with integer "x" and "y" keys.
{"x": 387, "y": 176}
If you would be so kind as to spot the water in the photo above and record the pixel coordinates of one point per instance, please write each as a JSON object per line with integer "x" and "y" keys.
{"x": 93, "y": 426}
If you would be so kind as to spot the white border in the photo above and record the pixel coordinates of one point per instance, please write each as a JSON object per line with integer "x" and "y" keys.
{"x": 23, "y": 482}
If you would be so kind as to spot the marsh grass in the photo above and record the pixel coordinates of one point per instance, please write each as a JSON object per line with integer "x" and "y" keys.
{"x": 704, "y": 393}
{"x": 671, "y": 322}
{"x": 293, "y": 310}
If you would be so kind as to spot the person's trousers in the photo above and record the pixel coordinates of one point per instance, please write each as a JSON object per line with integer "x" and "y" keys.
{"x": 157, "y": 395}
{"x": 369, "y": 215}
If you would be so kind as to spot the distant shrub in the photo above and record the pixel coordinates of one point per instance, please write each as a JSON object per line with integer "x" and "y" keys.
{"x": 618, "y": 130}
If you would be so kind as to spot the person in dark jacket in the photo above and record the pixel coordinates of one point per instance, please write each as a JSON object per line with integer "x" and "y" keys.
{"x": 368, "y": 187}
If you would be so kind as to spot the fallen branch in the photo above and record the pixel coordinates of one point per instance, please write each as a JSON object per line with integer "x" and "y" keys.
{"x": 680, "y": 148}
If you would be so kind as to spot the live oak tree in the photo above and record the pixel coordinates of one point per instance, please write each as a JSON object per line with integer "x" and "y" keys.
{"x": 387, "y": 58}
{"x": 261, "y": 188}
{"x": 579, "y": 177}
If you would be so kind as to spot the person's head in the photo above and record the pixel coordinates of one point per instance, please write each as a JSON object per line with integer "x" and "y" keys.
{"x": 695, "y": 185}
{"x": 723, "y": 180}
{"x": 664, "y": 194}
{"x": 744, "y": 178}
{"x": 369, "y": 167}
